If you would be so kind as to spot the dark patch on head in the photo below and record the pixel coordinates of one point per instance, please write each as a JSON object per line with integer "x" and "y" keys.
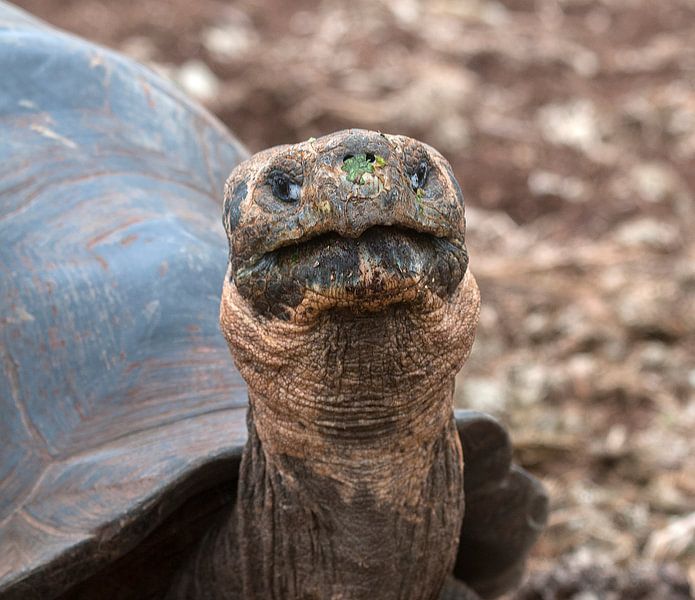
{"x": 232, "y": 212}
{"x": 390, "y": 199}
{"x": 413, "y": 155}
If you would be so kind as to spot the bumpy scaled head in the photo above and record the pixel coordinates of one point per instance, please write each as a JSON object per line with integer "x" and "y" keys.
{"x": 355, "y": 220}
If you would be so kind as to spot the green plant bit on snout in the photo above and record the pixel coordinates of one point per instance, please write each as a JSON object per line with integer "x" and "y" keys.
{"x": 356, "y": 167}
{"x": 379, "y": 161}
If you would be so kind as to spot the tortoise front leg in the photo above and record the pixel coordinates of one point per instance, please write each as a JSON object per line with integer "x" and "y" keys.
{"x": 506, "y": 508}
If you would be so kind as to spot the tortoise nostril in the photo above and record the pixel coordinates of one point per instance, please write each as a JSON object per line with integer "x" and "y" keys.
{"x": 369, "y": 156}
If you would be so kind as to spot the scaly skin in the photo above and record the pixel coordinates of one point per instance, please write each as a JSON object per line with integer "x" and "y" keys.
{"x": 348, "y": 310}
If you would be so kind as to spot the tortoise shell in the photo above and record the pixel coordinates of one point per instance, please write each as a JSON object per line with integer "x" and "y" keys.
{"x": 118, "y": 398}
{"x": 115, "y": 383}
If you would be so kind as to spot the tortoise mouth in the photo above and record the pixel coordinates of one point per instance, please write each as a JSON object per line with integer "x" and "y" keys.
{"x": 383, "y": 265}
{"x": 324, "y": 240}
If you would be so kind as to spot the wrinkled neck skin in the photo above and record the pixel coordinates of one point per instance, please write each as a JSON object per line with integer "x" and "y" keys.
{"x": 346, "y": 387}
{"x": 351, "y": 484}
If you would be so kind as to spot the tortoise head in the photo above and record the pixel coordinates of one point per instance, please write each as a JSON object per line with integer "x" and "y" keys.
{"x": 356, "y": 220}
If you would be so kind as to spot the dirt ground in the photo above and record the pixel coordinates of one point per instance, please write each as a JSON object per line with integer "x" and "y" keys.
{"x": 571, "y": 127}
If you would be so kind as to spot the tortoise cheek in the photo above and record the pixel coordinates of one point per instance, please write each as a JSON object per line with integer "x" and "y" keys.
{"x": 455, "y": 184}
{"x": 232, "y": 209}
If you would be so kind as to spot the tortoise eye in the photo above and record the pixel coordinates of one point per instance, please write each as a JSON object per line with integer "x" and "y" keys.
{"x": 418, "y": 178}
{"x": 283, "y": 187}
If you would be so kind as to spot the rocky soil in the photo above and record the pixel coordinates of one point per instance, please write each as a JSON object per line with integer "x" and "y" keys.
{"x": 571, "y": 127}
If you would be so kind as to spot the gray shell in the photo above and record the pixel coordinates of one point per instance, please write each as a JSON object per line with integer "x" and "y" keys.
{"x": 115, "y": 382}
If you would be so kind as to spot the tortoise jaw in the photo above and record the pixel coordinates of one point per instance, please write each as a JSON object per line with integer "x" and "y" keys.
{"x": 383, "y": 266}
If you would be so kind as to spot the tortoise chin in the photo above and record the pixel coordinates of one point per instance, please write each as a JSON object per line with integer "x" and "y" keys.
{"x": 385, "y": 265}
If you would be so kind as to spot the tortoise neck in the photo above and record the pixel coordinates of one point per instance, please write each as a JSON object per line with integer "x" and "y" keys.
{"x": 367, "y": 391}
{"x": 351, "y": 480}
{"x": 376, "y": 529}
{"x": 348, "y": 385}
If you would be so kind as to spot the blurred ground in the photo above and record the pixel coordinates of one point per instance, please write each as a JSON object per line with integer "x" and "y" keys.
{"x": 571, "y": 127}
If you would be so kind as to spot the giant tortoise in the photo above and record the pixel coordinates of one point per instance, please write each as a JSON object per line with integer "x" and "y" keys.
{"x": 131, "y": 463}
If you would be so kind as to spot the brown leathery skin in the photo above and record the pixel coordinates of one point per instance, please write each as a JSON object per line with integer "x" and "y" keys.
{"x": 306, "y": 378}
{"x": 351, "y": 483}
